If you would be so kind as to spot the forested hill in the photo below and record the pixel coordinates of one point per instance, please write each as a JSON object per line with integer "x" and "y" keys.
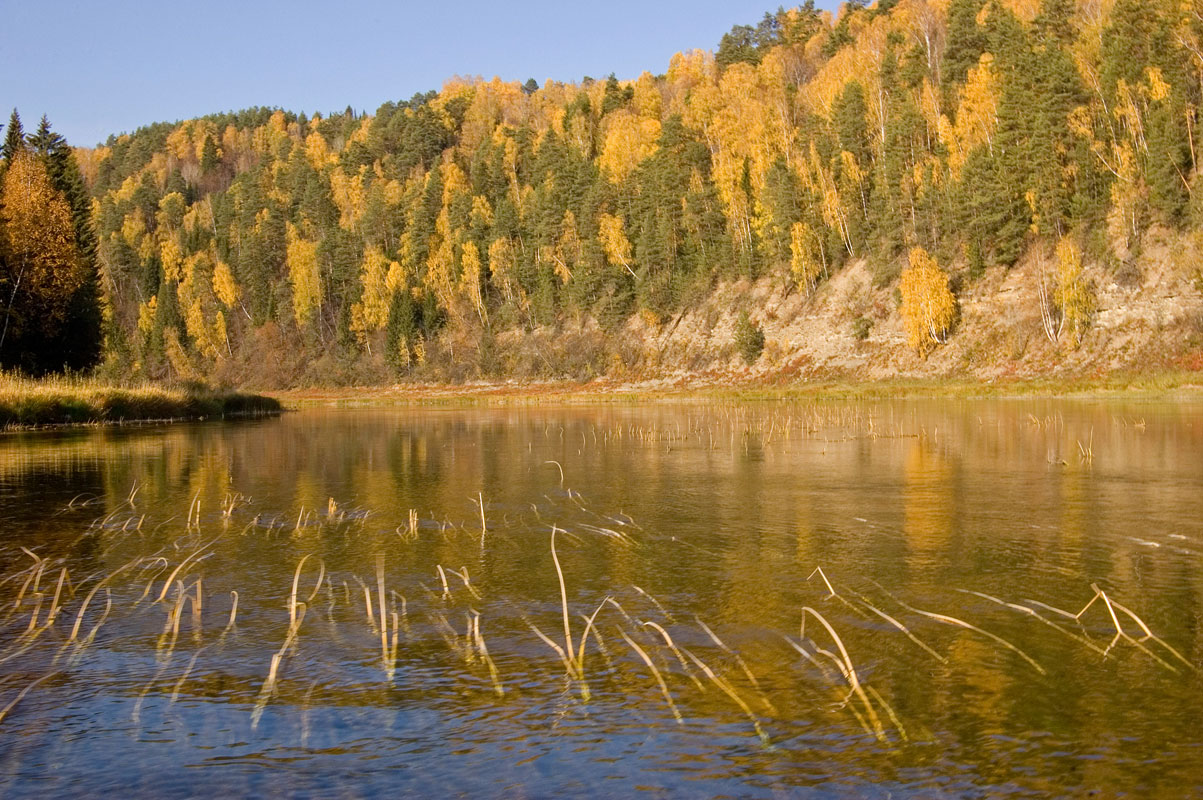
{"x": 505, "y": 229}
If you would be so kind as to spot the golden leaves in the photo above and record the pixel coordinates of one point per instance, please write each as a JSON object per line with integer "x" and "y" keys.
{"x": 803, "y": 264}
{"x": 39, "y": 240}
{"x": 349, "y": 196}
{"x": 469, "y": 279}
{"x": 318, "y": 152}
{"x": 977, "y": 115}
{"x": 1071, "y": 293}
{"x": 928, "y": 307}
{"x": 370, "y": 314}
{"x": 614, "y": 241}
{"x": 629, "y": 140}
{"x": 224, "y": 285}
{"x": 304, "y": 275}
{"x": 503, "y": 258}
{"x": 648, "y": 101}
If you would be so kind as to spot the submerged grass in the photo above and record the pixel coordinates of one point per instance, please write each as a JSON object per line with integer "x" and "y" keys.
{"x": 25, "y": 402}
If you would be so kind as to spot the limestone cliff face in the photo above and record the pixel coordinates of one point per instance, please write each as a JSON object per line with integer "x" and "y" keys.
{"x": 1149, "y": 316}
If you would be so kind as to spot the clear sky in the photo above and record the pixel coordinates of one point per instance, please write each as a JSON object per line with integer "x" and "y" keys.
{"x": 97, "y": 68}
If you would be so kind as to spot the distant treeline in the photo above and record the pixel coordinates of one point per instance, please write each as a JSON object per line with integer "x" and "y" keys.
{"x": 932, "y": 138}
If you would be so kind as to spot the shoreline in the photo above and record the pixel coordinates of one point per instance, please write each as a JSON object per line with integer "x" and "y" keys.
{"x": 1167, "y": 386}
{"x": 57, "y": 404}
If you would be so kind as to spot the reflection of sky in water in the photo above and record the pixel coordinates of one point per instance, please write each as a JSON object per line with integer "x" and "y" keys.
{"x": 682, "y": 514}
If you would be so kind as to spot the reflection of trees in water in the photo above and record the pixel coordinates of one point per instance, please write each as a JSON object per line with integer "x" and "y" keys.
{"x": 927, "y": 505}
{"x": 732, "y": 517}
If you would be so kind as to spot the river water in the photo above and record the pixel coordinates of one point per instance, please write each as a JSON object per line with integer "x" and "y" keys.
{"x": 820, "y": 599}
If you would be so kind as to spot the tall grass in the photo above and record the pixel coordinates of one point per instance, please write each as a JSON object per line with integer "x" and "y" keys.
{"x": 72, "y": 400}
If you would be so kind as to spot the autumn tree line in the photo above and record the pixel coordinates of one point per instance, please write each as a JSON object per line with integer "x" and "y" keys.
{"x": 932, "y": 138}
{"x": 50, "y": 305}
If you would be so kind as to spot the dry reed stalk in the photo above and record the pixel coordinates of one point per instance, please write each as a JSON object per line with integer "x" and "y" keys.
{"x": 321, "y": 574}
{"x": 58, "y": 590}
{"x": 153, "y": 578}
{"x": 738, "y": 660}
{"x": 387, "y": 662}
{"x": 560, "y": 468}
{"x": 182, "y": 564}
{"x": 1120, "y": 633}
{"x": 589, "y": 626}
{"x": 443, "y": 578}
{"x": 881, "y": 701}
{"x": 83, "y": 607}
{"x": 847, "y": 668}
{"x": 450, "y": 635}
{"x": 729, "y": 690}
{"x": 367, "y": 603}
{"x": 822, "y": 667}
{"x": 656, "y": 603}
{"x": 21, "y": 695}
{"x": 269, "y": 685}
{"x": 484, "y": 654}
{"x": 404, "y": 613}
{"x": 1150, "y": 635}
{"x": 947, "y": 620}
{"x": 1036, "y": 615}
{"x": 904, "y": 629}
{"x": 823, "y": 575}
{"x": 108, "y": 607}
{"x": 33, "y": 618}
{"x": 656, "y": 674}
{"x": 193, "y": 522}
{"x": 563, "y": 599}
{"x": 233, "y": 609}
{"x": 462, "y": 574}
{"x": 480, "y": 499}
{"x": 136, "y": 714}
{"x": 668, "y": 640}
{"x": 292, "y": 598}
{"x": 392, "y": 656}
{"x": 179, "y": 685}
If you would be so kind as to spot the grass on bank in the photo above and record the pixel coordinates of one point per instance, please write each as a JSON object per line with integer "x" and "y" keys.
{"x": 25, "y": 402}
{"x": 1151, "y": 385}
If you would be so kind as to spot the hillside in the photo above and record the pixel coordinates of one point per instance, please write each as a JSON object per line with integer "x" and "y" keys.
{"x": 915, "y": 187}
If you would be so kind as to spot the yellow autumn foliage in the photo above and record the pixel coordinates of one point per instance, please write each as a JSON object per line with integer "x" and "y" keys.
{"x": 928, "y": 307}
{"x": 1072, "y": 293}
{"x": 304, "y": 275}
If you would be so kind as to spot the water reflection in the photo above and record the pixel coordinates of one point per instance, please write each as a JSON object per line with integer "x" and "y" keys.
{"x": 947, "y": 532}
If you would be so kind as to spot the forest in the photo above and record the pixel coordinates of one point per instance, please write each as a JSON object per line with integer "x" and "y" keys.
{"x": 451, "y": 236}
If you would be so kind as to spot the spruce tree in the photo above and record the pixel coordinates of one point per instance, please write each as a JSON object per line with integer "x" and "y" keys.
{"x": 965, "y": 41}
{"x": 14, "y": 137}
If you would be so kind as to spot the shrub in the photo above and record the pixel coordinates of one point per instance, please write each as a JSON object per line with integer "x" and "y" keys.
{"x": 749, "y": 339}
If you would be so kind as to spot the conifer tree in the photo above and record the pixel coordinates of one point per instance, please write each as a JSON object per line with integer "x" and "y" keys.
{"x": 14, "y": 137}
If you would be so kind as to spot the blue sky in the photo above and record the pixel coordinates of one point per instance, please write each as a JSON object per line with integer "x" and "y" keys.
{"x": 108, "y": 67}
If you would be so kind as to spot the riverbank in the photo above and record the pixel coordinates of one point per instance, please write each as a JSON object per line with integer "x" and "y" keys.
{"x": 716, "y": 386}
{"x": 27, "y": 403}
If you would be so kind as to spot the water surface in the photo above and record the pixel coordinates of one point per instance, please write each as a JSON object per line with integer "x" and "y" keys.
{"x": 940, "y": 654}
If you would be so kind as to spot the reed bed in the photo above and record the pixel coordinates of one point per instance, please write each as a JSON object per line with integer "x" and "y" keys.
{"x": 54, "y": 613}
{"x": 26, "y": 402}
